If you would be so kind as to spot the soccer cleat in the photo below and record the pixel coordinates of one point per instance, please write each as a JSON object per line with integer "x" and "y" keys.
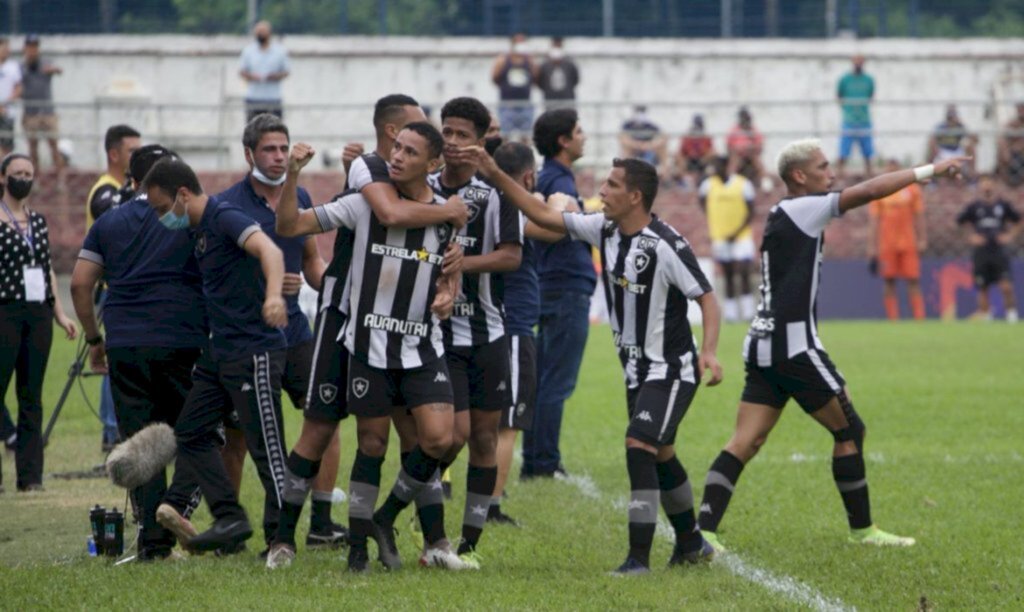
{"x": 704, "y": 554}
{"x": 495, "y": 515}
{"x": 442, "y": 557}
{"x": 182, "y": 528}
{"x": 472, "y": 559}
{"x": 358, "y": 560}
{"x": 225, "y": 533}
{"x": 280, "y": 555}
{"x": 631, "y": 567}
{"x": 387, "y": 549}
{"x": 712, "y": 538}
{"x": 876, "y": 537}
{"x": 332, "y": 535}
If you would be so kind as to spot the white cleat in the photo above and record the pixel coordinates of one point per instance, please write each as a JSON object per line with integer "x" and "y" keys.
{"x": 280, "y": 555}
{"x": 445, "y": 558}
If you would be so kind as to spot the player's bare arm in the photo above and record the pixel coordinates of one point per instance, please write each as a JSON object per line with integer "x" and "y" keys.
{"x": 522, "y": 199}
{"x": 260, "y": 246}
{"x": 889, "y": 183}
{"x": 712, "y": 323}
{"x": 290, "y": 220}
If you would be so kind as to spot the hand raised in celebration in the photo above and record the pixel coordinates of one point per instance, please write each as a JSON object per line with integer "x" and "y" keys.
{"x": 300, "y": 155}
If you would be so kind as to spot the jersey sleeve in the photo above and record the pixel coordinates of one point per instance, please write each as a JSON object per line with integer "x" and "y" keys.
{"x": 812, "y": 213}
{"x": 92, "y": 249}
{"x": 682, "y": 270}
{"x": 584, "y": 226}
{"x": 235, "y": 224}
{"x": 103, "y": 199}
{"x": 510, "y": 222}
{"x": 342, "y": 212}
{"x": 367, "y": 169}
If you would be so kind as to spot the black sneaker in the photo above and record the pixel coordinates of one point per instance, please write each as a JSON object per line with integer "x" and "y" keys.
{"x": 704, "y": 554}
{"x": 495, "y": 515}
{"x": 358, "y": 560}
{"x": 387, "y": 549}
{"x": 631, "y": 567}
{"x": 231, "y": 549}
{"x": 331, "y": 535}
{"x": 225, "y": 533}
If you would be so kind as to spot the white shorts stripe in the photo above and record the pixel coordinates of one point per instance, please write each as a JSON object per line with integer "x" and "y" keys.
{"x": 272, "y": 431}
{"x": 316, "y": 355}
{"x": 514, "y": 374}
{"x": 671, "y": 408}
{"x": 825, "y": 374}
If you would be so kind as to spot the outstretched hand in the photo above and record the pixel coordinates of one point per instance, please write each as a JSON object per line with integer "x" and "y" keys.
{"x": 952, "y": 167}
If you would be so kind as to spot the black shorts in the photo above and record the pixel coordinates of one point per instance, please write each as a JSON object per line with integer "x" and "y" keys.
{"x": 656, "y": 408}
{"x": 480, "y": 376}
{"x": 523, "y": 378}
{"x": 295, "y": 381}
{"x": 328, "y": 370}
{"x": 373, "y": 392}
{"x": 991, "y": 265}
{"x": 810, "y": 378}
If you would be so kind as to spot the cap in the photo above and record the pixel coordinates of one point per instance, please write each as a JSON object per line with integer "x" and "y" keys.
{"x": 32, "y": 39}
{"x": 144, "y": 158}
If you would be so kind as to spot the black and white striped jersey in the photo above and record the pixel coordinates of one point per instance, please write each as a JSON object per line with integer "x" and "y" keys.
{"x": 647, "y": 279}
{"x": 791, "y": 253}
{"x": 478, "y": 316}
{"x": 391, "y": 285}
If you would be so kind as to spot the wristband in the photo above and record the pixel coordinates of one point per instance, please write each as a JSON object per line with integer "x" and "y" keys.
{"x": 94, "y": 341}
{"x": 922, "y": 173}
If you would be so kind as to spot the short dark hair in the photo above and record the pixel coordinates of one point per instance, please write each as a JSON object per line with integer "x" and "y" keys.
{"x": 116, "y": 134}
{"x": 514, "y": 159}
{"x": 387, "y": 109}
{"x": 639, "y": 176}
{"x": 470, "y": 109}
{"x": 263, "y": 123}
{"x": 144, "y": 158}
{"x": 551, "y": 126}
{"x": 169, "y": 175}
{"x": 10, "y": 157}
{"x": 435, "y": 142}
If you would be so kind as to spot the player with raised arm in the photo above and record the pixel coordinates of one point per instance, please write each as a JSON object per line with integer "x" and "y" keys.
{"x": 650, "y": 273}
{"x": 784, "y": 356}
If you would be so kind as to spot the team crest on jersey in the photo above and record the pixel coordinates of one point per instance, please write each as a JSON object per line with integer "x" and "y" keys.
{"x": 647, "y": 242}
{"x": 328, "y": 392}
{"x": 359, "y": 387}
{"x": 443, "y": 232}
{"x": 474, "y": 211}
{"x": 640, "y": 262}
{"x": 201, "y": 244}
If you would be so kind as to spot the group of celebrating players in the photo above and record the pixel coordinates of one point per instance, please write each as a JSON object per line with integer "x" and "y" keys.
{"x": 410, "y": 332}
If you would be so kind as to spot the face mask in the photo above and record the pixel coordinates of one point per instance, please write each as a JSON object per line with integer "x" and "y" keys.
{"x": 173, "y": 221}
{"x": 491, "y": 144}
{"x": 262, "y": 39}
{"x": 19, "y": 188}
{"x": 517, "y": 48}
{"x": 263, "y": 178}
{"x": 556, "y": 54}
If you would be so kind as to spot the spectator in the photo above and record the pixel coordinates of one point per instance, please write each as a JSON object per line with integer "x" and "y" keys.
{"x": 952, "y": 139}
{"x": 10, "y": 90}
{"x": 514, "y": 74}
{"x": 1011, "y": 149}
{"x": 263, "y": 65}
{"x": 728, "y": 202}
{"x": 994, "y": 225}
{"x": 558, "y": 77}
{"x": 896, "y": 239}
{"x": 40, "y": 119}
{"x": 855, "y": 91}
{"x": 744, "y": 145}
{"x": 696, "y": 152}
{"x": 642, "y": 138}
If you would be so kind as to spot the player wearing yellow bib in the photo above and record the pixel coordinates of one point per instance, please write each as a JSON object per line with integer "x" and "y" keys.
{"x": 728, "y": 202}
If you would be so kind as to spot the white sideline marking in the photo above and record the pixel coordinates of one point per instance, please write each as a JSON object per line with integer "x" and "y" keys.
{"x": 788, "y": 587}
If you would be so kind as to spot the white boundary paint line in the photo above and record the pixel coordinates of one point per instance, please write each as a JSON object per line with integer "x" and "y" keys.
{"x": 790, "y": 588}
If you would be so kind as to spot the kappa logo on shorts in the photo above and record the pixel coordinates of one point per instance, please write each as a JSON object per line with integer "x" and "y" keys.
{"x": 644, "y": 416}
{"x": 359, "y": 387}
{"x": 328, "y": 392}
{"x": 441, "y": 378}
{"x": 246, "y": 387}
{"x": 502, "y": 386}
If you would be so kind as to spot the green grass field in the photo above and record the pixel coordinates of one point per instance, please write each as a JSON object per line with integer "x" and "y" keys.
{"x": 942, "y": 405}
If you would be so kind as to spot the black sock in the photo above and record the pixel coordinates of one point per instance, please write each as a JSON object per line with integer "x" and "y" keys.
{"x": 643, "y": 503}
{"x": 718, "y": 488}
{"x": 430, "y": 507}
{"x": 479, "y": 489}
{"x": 416, "y": 471}
{"x": 495, "y": 508}
{"x": 363, "y": 490}
{"x": 849, "y": 474}
{"x": 299, "y": 473}
{"x": 677, "y": 500}
{"x": 320, "y": 517}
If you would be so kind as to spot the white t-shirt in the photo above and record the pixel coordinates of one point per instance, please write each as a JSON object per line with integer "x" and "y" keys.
{"x": 10, "y": 76}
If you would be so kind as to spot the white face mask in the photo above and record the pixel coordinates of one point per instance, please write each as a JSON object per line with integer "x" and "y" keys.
{"x": 556, "y": 54}
{"x": 517, "y": 48}
{"x": 263, "y": 178}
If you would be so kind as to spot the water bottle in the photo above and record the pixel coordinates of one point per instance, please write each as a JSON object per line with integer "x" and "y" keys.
{"x": 113, "y": 533}
{"x": 96, "y": 523}
{"x": 90, "y": 545}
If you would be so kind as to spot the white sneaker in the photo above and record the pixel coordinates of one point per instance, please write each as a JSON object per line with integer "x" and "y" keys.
{"x": 444, "y": 558}
{"x": 280, "y": 555}
{"x": 181, "y": 527}
{"x": 1011, "y": 315}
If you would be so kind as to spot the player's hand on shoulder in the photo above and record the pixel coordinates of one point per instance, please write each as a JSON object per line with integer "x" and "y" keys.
{"x": 300, "y": 155}
{"x": 562, "y": 202}
{"x": 349, "y": 154}
{"x": 709, "y": 368}
{"x": 275, "y": 312}
{"x": 459, "y": 212}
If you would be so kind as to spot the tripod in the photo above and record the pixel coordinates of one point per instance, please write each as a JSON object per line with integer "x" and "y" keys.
{"x": 76, "y": 370}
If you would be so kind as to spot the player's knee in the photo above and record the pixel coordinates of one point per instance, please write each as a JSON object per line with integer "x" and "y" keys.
{"x": 745, "y": 447}
{"x": 372, "y": 444}
{"x": 436, "y": 444}
{"x": 483, "y": 441}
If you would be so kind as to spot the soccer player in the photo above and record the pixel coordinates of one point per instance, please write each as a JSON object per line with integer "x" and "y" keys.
{"x": 783, "y": 354}
{"x": 728, "y": 202}
{"x": 476, "y": 345}
{"x": 897, "y": 237}
{"x": 242, "y": 274}
{"x": 650, "y": 273}
{"x": 392, "y": 335}
{"x": 994, "y": 224}
{"x": 150, "y": 358}
{"x": 326, "y": 402}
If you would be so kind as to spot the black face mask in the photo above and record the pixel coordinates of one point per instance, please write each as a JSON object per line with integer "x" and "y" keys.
{"x": 19, "y": 188}
{"x": 262, "y": 39}
{"x": 491, "y": 144}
